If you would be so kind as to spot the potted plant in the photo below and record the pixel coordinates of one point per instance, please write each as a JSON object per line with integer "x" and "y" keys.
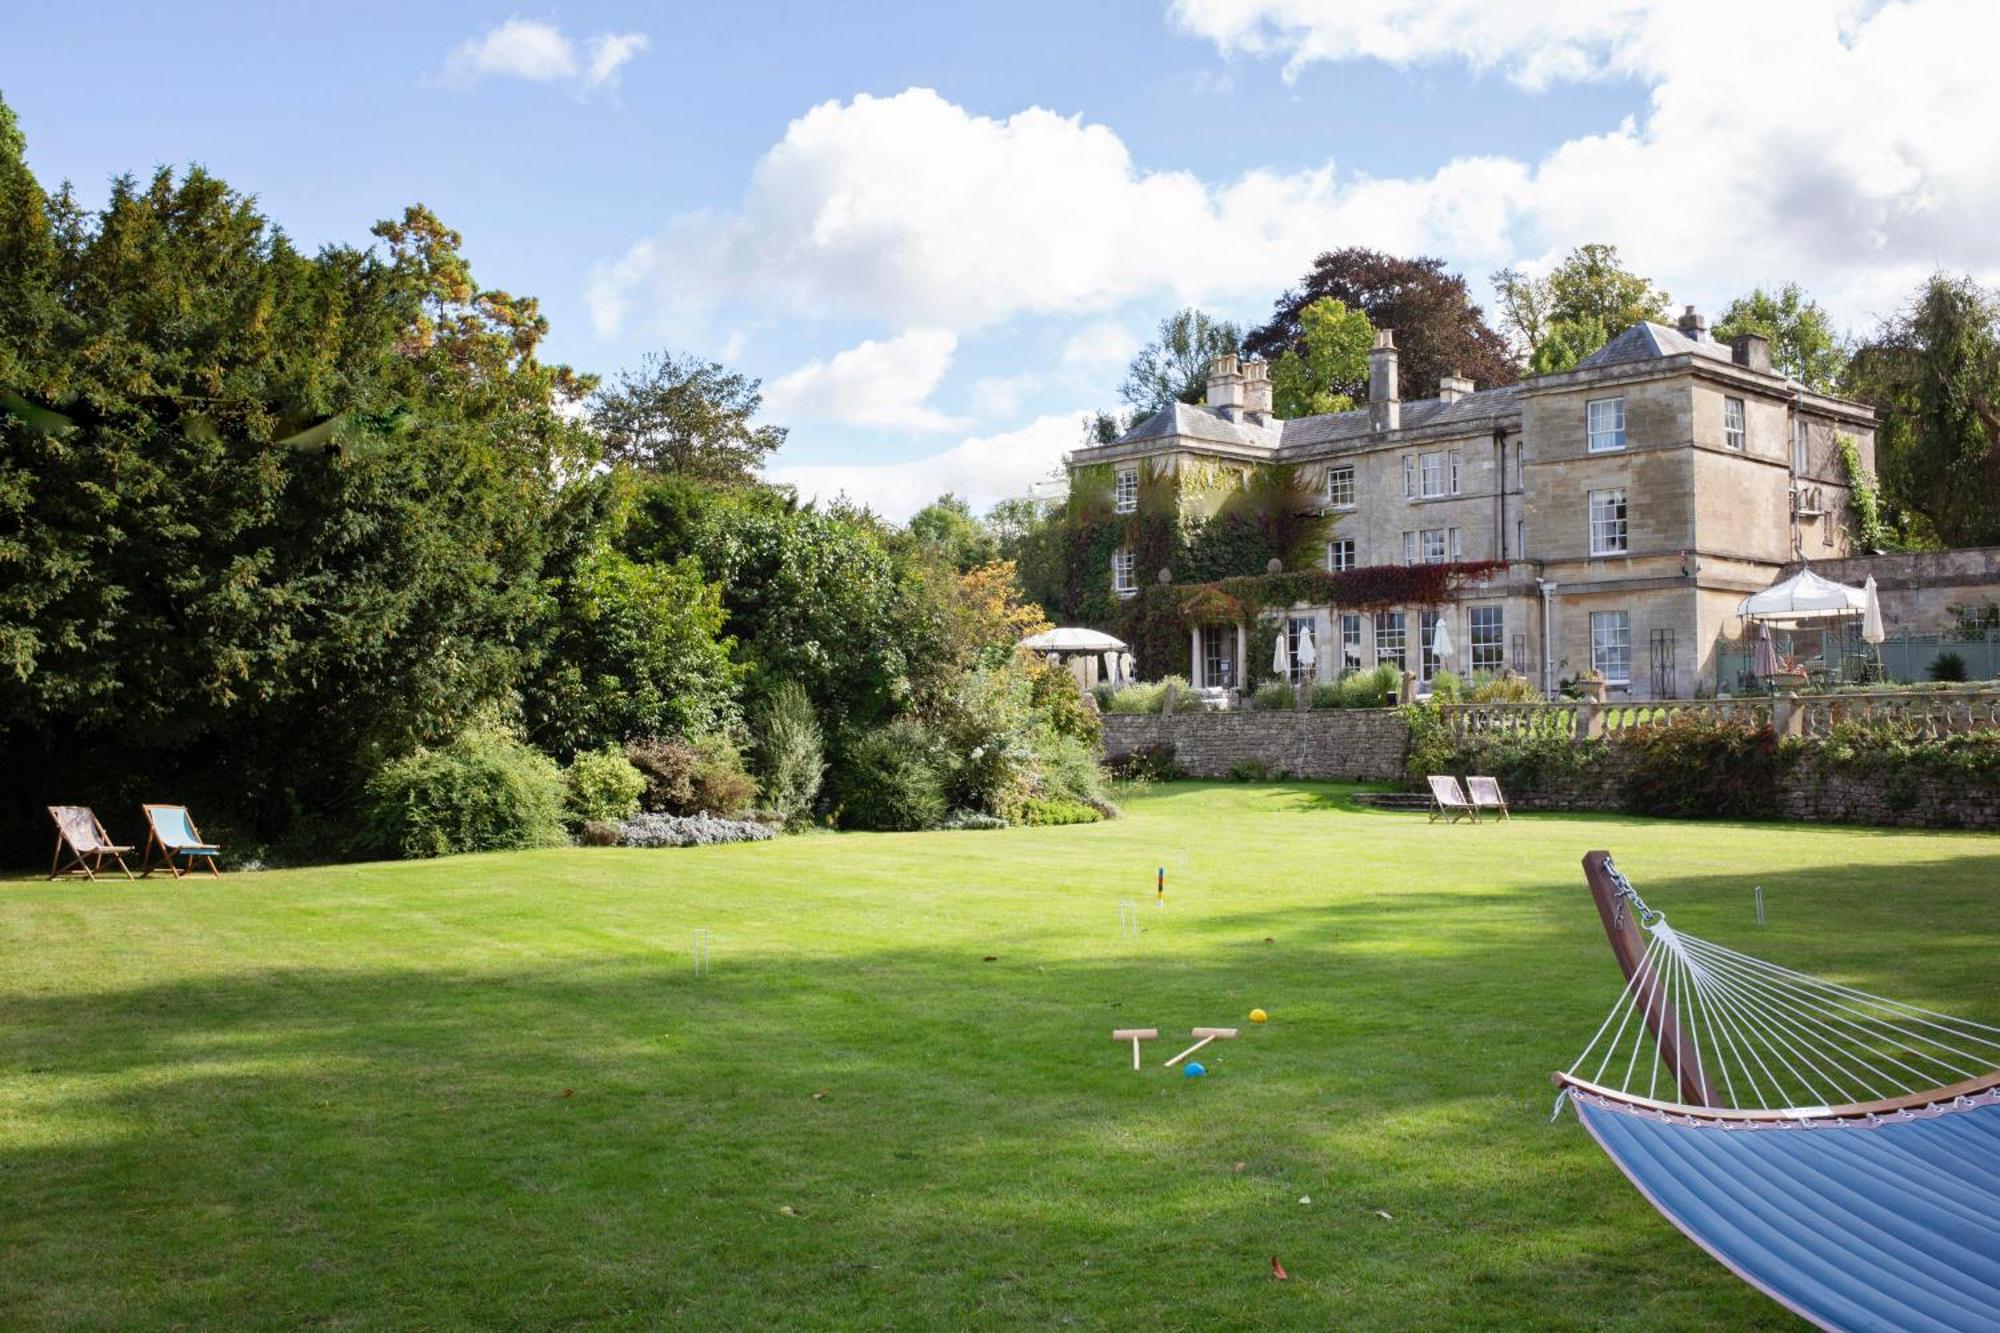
{"x": 1790, "y": 676}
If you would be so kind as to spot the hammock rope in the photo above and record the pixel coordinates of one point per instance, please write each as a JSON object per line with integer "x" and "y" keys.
{"x": 1764, "y": 1037}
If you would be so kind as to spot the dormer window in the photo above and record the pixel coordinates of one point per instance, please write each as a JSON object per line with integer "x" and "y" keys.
{"x": 1125, "y": 491}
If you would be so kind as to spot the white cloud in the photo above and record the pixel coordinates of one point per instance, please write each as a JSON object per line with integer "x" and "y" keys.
{"x": 1103, "y": 345}
{"x": 982, "y": 469}
{"x": 882, "y": 383}
{"x": 541, "y": 53}
{"x": 1833, "y": 142}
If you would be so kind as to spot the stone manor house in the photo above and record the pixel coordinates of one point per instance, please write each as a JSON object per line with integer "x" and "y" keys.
{"x": 1634, "y": 500}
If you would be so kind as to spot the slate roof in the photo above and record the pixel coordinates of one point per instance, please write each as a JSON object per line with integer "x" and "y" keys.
{"x": 1189, "y": 422}
{"x": 1647, "y": 341}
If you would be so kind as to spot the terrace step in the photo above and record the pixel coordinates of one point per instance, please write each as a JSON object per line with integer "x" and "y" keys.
{"x": 1393, "y": 800}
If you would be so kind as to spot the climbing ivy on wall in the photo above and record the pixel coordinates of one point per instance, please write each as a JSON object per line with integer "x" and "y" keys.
{"x": 1862, "y": 497}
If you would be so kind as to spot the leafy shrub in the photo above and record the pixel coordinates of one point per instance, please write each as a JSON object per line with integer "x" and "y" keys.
{"x": 986, "y": 751}
{"x": 1446, "y": 687}
{"x": 1693, "y": 766}
{"x": 599, "y": 833}
{"x": 603, "y": 785}
{"x": 1488, "y": 689}
{"x": 484, "y": 792}
{"x": 1067, "y": 711}
{"x": 1251, "y": 770}
{"x": 1324, "y": 694}
{"x": 889, "y": 779}
{"x": 1274, "y": 696}
{"x": 1068, "y": 768}
{"x": 692, "y": 777}
{"x": 971, "y": 819}
{"x": 1150, "y": 763}
{"x": 1175, "y": 694}
{"x": 791, "y": 753}
{"x": 1134, "y": 699}
{"x": 1037, "y": 810}
{"x": 1947, "y": 667}
{"x": 1378, "y": 688}
{"x": 658, "y": 830}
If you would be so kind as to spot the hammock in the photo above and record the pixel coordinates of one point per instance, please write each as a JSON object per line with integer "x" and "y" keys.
{"x": 1838, "y": 1151}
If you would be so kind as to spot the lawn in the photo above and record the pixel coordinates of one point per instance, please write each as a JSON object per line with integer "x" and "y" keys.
{"x": 491, "y": 1092}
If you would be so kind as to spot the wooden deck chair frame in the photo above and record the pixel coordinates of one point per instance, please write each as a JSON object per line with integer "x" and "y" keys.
{"x": 205, "y": 850}
{"x": 79, "y": 829}
{"x": 1448, "y": 802}
{"x": 1486, "y": 795}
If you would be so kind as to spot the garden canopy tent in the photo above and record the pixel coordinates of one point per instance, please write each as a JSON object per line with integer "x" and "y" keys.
{"x": 1803, "y": 596}
{"x": 1073, "y": 640}
{"x": 1837, "y": 1150}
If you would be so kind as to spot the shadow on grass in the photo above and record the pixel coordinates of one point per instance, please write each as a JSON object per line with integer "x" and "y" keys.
{"x": 619, "y": 1143}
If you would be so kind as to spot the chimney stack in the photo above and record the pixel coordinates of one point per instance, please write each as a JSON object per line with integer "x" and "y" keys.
{"x": 1257, "y": 392}
{"x": 1752, "y": 351}
{"x": 1451, "y": 388}
{"x": 1225, "y": 386}
{"x": 1693, "y": 325}
{"x": 1385, "y": 408}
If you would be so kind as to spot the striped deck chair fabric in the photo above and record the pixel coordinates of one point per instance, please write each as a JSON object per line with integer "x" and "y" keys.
{"x": 79, "y": 831}
{"x": 1448, "y": 802}
{"x": 1486, "y": 795}
{"x": 173, "y": 835}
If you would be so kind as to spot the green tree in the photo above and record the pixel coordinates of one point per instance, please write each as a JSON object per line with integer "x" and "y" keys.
{"x": 1439, "y": 331}
{"x": 1316, "y": 377}
{"x": 1933, "y": 375}
{"x": 685, "y": 415}
{"x": 1590, "y": 295}
{"x": 1174, "y": 366}
{"x": 948, "y": 526}
{"x": 1803, "y": 343}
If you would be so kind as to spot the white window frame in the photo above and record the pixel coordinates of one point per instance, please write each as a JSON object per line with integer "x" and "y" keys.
{"x": 1604, "y": 424}
{"x": 1431, "y": 546}
{"x": 1486, "y": 638}
{"x": 1457, "y": 465}
{"x": 1124, "y": 573}
{"x": 1801, "y": 447}
{"x": 1340, "y": 487}
{"x": 1734, "y": 424}
{"x": 1409, "y": 548}
{"x": 1431, "y": 481}
{"x": 1391, "y": 638}
{"x": 1351, "y": 645}
{"x": 1409, "y": 476}
{"x": 1125, "y": 491}
{"x": 1293, "y": 624}
{"x": 1218, "y": 656}
{"x": 1610, "y": 522}
{"x": 1456, "y": 541}
{"x": 1338, "y": 548}
{"x": 1427, "y": 658}
{"x": 1611, "y": 646}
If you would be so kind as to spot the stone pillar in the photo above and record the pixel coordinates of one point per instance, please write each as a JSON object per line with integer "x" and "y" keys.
{"x": 1242, "y": 660}
{"x": 1194, "y": 655}
{"x": 1787, "y": 718}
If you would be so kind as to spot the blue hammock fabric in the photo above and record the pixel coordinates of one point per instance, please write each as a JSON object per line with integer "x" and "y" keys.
{"x": 1892, "y": 1226}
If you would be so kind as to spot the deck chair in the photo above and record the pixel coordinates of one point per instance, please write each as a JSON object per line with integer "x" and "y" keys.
{"x": 78, "y": 829}
{"x": 1448, "y": 802}
{"x": 1486, "y": 795}
{"x": 173, "y": 834}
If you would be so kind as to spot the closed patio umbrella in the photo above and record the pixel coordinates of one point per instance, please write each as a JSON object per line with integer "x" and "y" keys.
{"x": 1281, "y": 665}
{"x": 1125, "y": 666}
{"x": 1111, "y": 668}
{"x": 1765, "y": 659}
{"x": 1308, "y": 651}
{"x": 1871, "y": 613}
{"x": 1441, "y": 644}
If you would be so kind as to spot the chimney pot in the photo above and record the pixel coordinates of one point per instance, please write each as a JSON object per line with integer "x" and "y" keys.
{"x": 1692, "y": 325}
{"x": 1752, "y": 351}
{"x": 1257, "y": 391}
{"x": 1225, "y": 386}
{"x": 1385, "y": 408}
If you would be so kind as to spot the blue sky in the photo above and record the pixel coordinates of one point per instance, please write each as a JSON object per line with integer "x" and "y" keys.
{"x": 936, "y": 231}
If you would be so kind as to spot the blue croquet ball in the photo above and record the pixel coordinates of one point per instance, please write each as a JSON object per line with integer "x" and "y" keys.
{"x": 1195, "y": 1069}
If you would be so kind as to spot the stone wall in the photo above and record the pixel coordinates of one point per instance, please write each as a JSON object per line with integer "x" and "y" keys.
{"x": 1357, "y": 744}
{"x": 1371, "y": 744}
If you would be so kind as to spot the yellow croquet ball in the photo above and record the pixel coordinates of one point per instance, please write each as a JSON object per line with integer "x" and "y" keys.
{"x": 1259, "y": 1016}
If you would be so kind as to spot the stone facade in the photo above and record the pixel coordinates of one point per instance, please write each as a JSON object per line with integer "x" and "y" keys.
{"x": 1337, "y": 744}
{"x": 1653, "y": 487}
